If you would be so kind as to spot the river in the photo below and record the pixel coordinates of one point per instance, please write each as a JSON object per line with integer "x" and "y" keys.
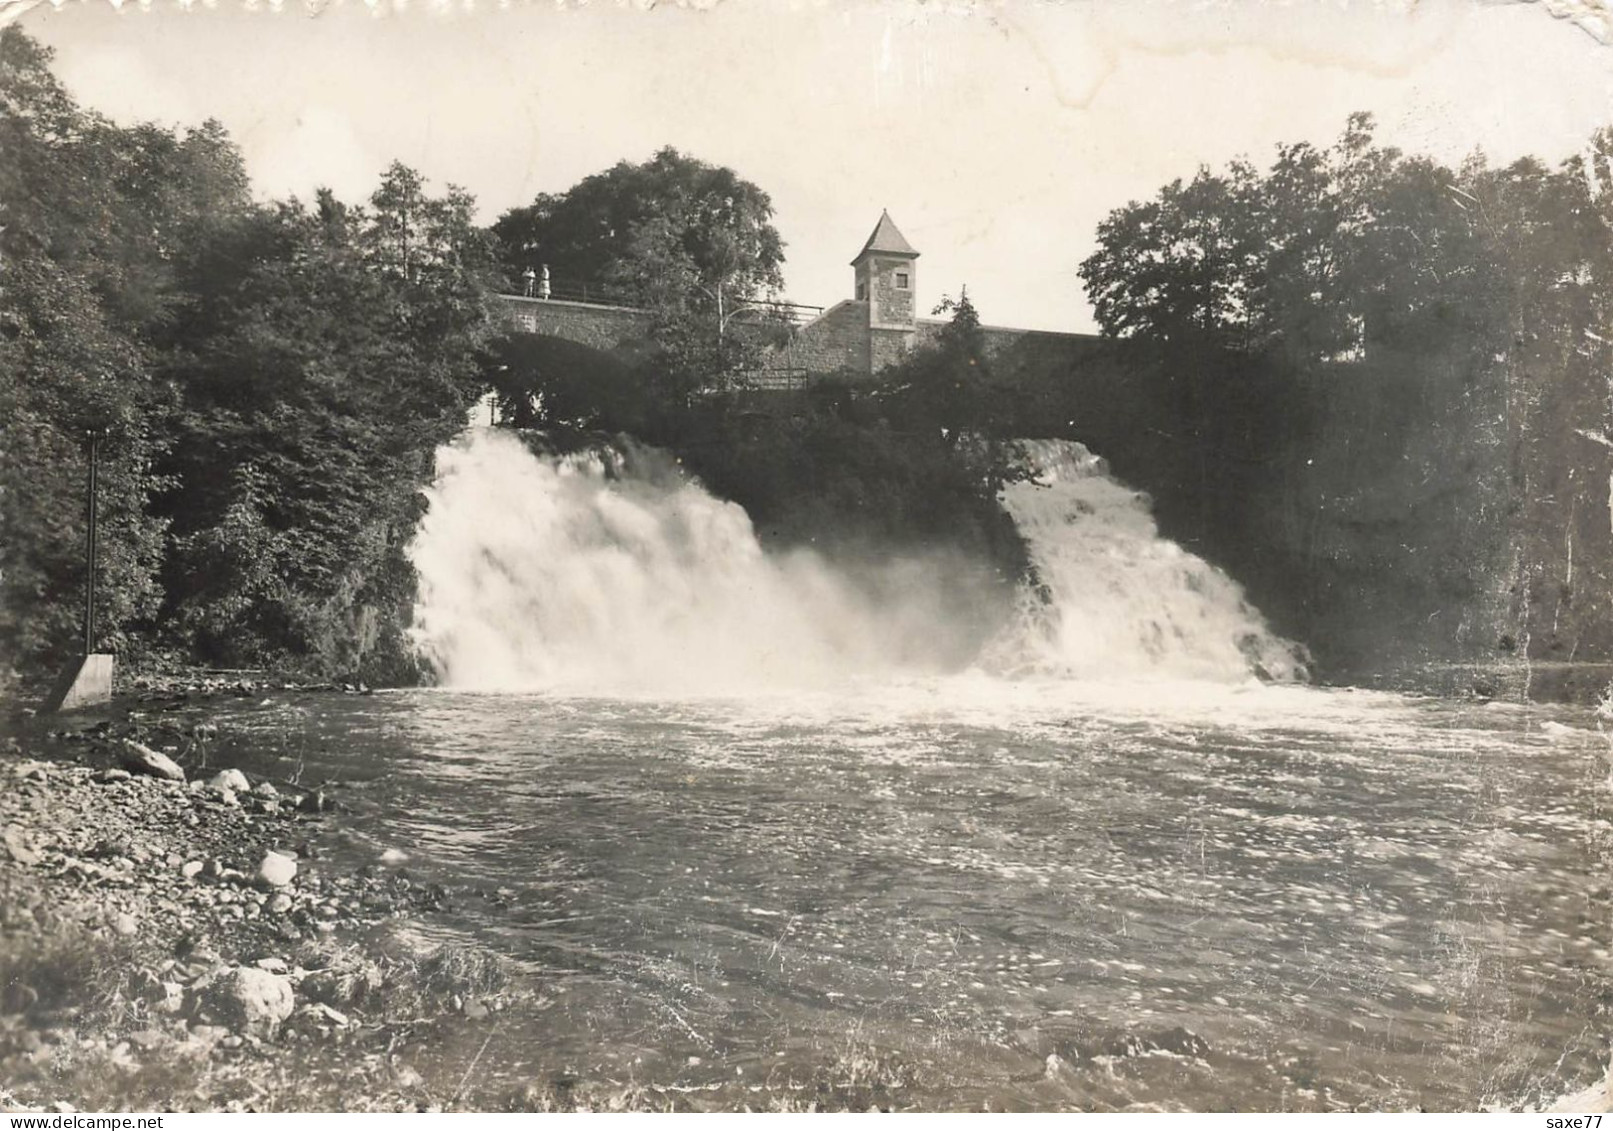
{"x": 962, "y": 893}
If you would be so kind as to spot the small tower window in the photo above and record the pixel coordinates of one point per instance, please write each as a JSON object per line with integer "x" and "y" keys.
{"x": 862, "y": 292}
{"x": 901, "y": 280}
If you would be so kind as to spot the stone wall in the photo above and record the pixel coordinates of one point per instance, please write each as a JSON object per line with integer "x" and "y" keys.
{"x": 836, "y": 340}
{"x": 893, "y": 305}
{"x": 610, "y": 329}
{"x": 839, "y": 341}
{"x": 887, "y": 347}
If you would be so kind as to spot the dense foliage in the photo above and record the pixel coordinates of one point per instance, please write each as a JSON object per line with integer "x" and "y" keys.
{"x": 691, "y": 242}
{"x": 1378, "y": 393}
{"x": 273, "y": 379}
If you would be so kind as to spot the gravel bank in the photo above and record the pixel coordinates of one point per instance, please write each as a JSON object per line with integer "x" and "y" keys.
{"x": 186, "y": 944}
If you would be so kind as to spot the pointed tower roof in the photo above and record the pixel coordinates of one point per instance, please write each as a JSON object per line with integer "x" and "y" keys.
{"x": 886, "y": 240}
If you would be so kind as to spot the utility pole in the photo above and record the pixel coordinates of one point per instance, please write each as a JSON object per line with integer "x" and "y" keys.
{"x": 88, "y": 678}
{"x": 95, "y": 436}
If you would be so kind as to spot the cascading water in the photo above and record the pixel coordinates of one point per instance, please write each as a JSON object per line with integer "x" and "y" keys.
{"x": 612, "y": 570}
{"x": 1117, "y": 599}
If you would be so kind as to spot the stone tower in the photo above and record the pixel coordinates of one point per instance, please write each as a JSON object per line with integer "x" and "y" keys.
{"x": 886, "y": 280}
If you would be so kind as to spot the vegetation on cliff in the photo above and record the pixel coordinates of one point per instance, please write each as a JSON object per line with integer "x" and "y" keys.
{"x": 271, "y": 379}
{"x": 1376, "y": 393}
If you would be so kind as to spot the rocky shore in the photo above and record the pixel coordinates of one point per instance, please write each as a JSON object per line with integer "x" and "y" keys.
{"x": 173, "y": 937}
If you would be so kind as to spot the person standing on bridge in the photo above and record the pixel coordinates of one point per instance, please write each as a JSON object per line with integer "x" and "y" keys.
{"x": 543, "y": 282}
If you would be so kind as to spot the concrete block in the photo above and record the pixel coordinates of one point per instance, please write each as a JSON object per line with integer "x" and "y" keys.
{"x": 86, "y": 682}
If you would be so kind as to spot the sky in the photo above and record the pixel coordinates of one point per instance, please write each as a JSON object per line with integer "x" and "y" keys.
{"x": 998, "y": 135}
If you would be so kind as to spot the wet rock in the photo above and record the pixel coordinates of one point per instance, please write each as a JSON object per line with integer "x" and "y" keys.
{"x": 142, "y": 759}
{"x": 1033, "y": 1041}
{"x": 251, "y": 1000}
{"x": 1177, "y": 1041}
{"x": 343, "y": 985}
{"x": 1055, "y": 1066}
{"x": 276, "y": 870}
{"x": 1183, "y": 1042}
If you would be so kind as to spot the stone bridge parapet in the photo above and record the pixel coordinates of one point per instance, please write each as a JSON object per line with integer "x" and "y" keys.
{"x": 609, "y": 329}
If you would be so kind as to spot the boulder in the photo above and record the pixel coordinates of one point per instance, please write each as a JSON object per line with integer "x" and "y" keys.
{"x": 142, "y": 759}
{"x": 232, "y": 780}
{"x": 169, "y": 998}
{"x": 20, "y": 846}
{"x": 251, "y": 1000}
{"x": 276, "y": 870}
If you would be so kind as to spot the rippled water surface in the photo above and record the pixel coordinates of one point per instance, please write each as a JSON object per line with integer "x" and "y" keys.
{"x": 966, "y": 893}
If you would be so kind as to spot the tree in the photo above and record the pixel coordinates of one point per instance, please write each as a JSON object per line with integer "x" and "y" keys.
{"x": 273, "y": 379}
{"x": 946, "y": 394}
{"x": 694, "y": 243}
{"x": 82, "y": 278}
{"x": 1410, "y": 360}
{"x": 619, "y": 229}
{"x": 329, "y": 352}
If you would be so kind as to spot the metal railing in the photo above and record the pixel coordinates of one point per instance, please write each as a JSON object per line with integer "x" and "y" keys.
{"x": 785, "y": 379}
{"x": 793, "y": 313}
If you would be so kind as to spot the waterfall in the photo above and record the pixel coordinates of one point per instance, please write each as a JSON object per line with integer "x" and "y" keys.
{"x": 1116, "y": 599}
{"x": 610, "y": 569}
